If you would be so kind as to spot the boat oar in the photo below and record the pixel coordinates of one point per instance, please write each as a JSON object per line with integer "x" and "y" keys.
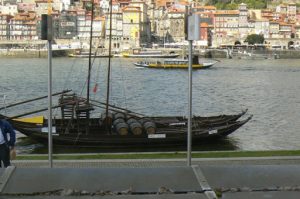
{"x": 119, "y": 111}
{"x": 31, "y": 100}
{"x": 118, "y": 108}
{"x": 32, "y": 112}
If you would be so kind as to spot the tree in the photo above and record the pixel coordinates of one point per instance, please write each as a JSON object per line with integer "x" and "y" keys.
{"x": 237, "y": 43}
{"x": 88, "y": 6}
{"x": 292, "y": 35}
{"x": 231, "y": 6}
{"x": 255, "y": 39}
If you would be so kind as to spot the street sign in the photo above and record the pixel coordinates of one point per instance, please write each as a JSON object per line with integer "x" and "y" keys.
{"x": 194, "y": 27}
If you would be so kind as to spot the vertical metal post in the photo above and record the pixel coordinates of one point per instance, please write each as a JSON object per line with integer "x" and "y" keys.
{"x": 46, "y": 34}
{"x": 50, "y": 103}
{"x": 189, "y": 134}
{"x": 109, "y": 66}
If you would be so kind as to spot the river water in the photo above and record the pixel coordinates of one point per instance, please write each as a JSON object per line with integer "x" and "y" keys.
{"x": 269, "y": 89}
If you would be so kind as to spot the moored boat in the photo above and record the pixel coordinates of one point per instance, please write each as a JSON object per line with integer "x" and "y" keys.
{"x": 174, "y": 64}
{"x": 127, "y": 55}
{"x": 138, "y": 53}
{"x": 121, "y": 129}
{"x": 86, "y": 55}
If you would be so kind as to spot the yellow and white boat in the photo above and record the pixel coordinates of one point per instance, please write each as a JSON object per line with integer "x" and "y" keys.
{"x": 139, "y": 53}
{"x": 174, "y": 64}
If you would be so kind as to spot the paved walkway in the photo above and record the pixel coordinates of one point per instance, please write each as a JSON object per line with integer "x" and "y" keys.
{"x": 208, "y": 178}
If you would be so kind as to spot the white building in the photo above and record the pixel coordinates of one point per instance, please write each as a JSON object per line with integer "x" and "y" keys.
{"x": 262, "y": 27}
{"x": 9, "y": 9}
{"x": 243, "y": 20}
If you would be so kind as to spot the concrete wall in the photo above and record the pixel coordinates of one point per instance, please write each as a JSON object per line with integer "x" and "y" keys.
{"x": 278, "y": 54}
{"x": 20, "y": 53}
{"x": 287, "y": 54}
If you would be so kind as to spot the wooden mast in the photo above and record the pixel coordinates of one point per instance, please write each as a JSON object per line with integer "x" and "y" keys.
{"x": 109, "y": 59}
{"x": 90, "y": 58}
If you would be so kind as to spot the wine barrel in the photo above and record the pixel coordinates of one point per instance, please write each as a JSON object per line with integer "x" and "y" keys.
{"x": 136, "y": 128}
{"x": 122, "y": 128}
{"x": 128, "y": 116}
{"x": 150, "y": 127}
{"x": 119, "y": 115}
{"x": 131, "y": 120}
{"x": 117, "y": 121}
{"x": 144, "y": 120}
{"x": 107, "y": 120}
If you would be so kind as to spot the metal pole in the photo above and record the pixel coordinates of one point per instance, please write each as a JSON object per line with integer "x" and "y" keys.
{"x": 90, "y": 60}
{"x": 50, "y": 103}
{"x": 189, "y": 135}
{"x": 109, "y": 63}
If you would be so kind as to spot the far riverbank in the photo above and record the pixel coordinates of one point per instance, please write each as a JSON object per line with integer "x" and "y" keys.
{"x": 204, "y": 53}
{"x": 250, "y": 54}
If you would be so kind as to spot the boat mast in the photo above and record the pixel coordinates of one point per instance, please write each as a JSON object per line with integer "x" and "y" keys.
{"x": 90, "y": 57}
{"x": 109, "y": 58}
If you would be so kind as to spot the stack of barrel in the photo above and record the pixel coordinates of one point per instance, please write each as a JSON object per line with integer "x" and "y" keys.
{"x": 123, "y": 124}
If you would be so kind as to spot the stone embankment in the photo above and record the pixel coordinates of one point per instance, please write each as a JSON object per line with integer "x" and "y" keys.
{"x": 267, "y": 54}
{"x": 33, "y": 53}
{"x": 206, "y": 53}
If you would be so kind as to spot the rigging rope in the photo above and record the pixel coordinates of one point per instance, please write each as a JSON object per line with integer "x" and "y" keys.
{"x": 67, "y": 80}
{"x": 124, "y": 89}
{"x": 97, "y": 79}
{"x": 86, "y": 81}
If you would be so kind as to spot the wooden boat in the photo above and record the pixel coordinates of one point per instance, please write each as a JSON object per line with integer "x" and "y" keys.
{"x": 126, "y": 55}
{"x": 122, "y": 128}
{"x": 128, "y": 130}
{"x": 174, "y": 64}
{"x": 86, "y": 55}
{"x": 138, "y": 53}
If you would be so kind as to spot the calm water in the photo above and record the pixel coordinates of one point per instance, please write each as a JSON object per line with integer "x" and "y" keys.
{"x": 270, "y": 89}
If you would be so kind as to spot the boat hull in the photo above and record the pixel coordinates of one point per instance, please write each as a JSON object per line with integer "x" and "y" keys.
{"x": 150, "y": 55}
{"x": 173, "y": 66}
{"x": 170, "y": 136}
{"x": 87, "y": 56}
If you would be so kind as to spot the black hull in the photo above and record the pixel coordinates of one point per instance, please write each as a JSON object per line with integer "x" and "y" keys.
{"x": 163, "y": 137}
{"x": 143, "y": 65}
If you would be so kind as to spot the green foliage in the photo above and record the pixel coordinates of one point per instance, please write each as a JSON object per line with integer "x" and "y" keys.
{"x": 221, "y": 154}
{"x": 233, "y": 5}
{"x": 88, "y": 6}
{"x": 220, "y": 6}
{"x": 255, "y": 39}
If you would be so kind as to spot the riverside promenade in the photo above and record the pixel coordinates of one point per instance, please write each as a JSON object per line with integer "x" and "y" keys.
{"x": 233, "y": 178}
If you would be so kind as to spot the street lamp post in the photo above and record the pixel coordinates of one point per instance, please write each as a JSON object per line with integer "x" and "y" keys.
{"x": 47, "y": 35}
{"x": 193, "y": 31}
